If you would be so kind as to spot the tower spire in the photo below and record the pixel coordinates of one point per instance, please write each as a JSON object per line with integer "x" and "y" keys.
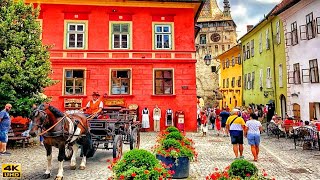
{"x": 226, "y": 8}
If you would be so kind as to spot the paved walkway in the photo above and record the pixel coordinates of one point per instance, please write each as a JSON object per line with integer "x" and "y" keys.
{"x": 277, "y": 157}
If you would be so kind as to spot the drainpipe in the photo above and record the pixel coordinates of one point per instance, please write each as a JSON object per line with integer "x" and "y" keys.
{"x": 274, "y": 70}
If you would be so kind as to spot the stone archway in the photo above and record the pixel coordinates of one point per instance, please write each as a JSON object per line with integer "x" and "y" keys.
{"x": 283, "y": 104}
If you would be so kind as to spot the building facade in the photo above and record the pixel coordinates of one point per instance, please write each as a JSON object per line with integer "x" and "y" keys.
{"x": 264, "y": 65}
{"x": 231, "y": 78}
{"x": 133, "y": 52}
{"x": 302, "y": 31}
{"x": 217, "y": 34}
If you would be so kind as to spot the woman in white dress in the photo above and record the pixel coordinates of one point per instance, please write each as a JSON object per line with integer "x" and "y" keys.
{"x": 145, "y": 118}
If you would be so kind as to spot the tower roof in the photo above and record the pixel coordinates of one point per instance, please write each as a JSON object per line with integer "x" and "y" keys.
{"x": 211, "y": 12}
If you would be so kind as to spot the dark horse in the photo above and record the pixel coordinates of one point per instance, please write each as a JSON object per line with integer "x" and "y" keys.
{"x": 60, "y": 130}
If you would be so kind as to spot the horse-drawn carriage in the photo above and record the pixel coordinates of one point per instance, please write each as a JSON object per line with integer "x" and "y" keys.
{"x": 111, "y": 129}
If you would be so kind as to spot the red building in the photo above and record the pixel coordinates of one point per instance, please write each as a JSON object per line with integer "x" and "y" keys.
{"x": 139, "y": 52}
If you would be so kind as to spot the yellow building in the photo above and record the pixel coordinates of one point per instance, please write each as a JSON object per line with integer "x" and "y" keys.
{"x": 231, "y": 77}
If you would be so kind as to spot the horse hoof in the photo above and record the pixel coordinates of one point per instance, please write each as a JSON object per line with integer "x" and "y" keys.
{"x": 58, "y": 178}
{"x": 45, "y": 176}
{"x": 73, "y": 167}
{"x": 82, "y": 167}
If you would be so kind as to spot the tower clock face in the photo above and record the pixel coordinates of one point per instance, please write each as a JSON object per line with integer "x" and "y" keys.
{"x": 215, "y": 37}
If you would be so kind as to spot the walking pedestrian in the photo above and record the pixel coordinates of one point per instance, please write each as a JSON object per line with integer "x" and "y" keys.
{"x": 204, "y": 123}
{"x": 5, "y": 123}
{"x": 224, "y": 116}
{"x": 212, "y": 118}
{"x": 235, "y": 126}
{"x": 252, "y": 133}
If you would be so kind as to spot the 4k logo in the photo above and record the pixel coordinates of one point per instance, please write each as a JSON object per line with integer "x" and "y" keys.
{"x": 11, "y": 170}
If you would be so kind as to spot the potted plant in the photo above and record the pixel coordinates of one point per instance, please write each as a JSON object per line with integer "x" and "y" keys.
{"x": 176, "y": 151}
{"x": 139, "y": 164}
{"x": 239, "y": 170}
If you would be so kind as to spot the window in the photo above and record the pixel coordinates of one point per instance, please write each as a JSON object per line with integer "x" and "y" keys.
{"x": 228, "y": 46}
{"x": 227, "y": 63}
{"x": 248, "y": 51}
{"x": 75, "y": 35}
{"x": 233, "y": 82}
{"x": 239, "y": 59}
{"x": 222, "y": 46}
{"x": 278, "y": 32}
{"x": 223, "y": 64}
{"x": 252, "y": 47}
{"x": 233, "y": 61}
{"x": 163, "y": 82}
{"x": 239, "y": 81}
{"x": 261, "y": 78}
{"x": 120, "y": 81}
{"x": 249, "y": 81}
{"x": 224, "y": 83}
{"x": 252, "y": 80}
{"x": 260, "y": 43}
{"x": 310, "y": 26}
{"x": 244, "y": 52}
{"x": 203, "y": 39}
{"x": 294, "y": 33}
{"x": 227, "y": 83}
{"x": 245, "y": 81}
{"x": 314, "y": 73}
{"x": 74, "y": 82}
{"x": 163, "y": 36}
{"x": 280, "y": 75}
{"x": 120, "y": 35}
{"x": 216, "y": 49}
{"x": 268, "y": 80}
{"x": 267, "y": 39}
{"x": 296, "y": 73}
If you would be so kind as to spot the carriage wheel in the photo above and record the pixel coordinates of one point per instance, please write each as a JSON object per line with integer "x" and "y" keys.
{"x": 117, "y": 147}
{"x": 68, "y": 152}
{"x": 135, "y": 138}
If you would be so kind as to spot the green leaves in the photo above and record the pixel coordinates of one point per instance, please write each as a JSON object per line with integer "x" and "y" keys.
{"x": 24, "y": 62}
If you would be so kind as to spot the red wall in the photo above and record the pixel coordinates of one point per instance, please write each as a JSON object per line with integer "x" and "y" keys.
{"x": 142, "y": 69}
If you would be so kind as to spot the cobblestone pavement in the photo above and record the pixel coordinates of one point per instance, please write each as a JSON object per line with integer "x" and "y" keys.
{"x": 278, "y": 157}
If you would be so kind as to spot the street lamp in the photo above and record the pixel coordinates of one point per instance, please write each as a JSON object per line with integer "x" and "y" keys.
{"x": 207, "y": 59}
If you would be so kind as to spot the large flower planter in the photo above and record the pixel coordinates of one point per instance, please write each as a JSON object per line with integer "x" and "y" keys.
{"x": 181, "y": 167}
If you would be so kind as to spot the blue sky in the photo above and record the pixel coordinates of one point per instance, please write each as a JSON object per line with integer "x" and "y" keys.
{"x": 248, "y": 12}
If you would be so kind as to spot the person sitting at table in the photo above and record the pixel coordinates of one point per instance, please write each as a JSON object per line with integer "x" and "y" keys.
{"x": 288, "y": 121}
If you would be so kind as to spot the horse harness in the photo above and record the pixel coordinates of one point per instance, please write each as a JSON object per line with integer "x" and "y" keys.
{"x": 71, "y": 133}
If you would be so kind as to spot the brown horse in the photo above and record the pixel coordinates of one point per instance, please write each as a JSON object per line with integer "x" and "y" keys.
{"x": 60, "y": 130}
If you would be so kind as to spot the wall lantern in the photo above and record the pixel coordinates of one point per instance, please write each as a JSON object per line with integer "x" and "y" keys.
{"x": 207, "y": 59}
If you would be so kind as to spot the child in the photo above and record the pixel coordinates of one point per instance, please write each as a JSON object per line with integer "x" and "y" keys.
{"x": 204, "y": 123}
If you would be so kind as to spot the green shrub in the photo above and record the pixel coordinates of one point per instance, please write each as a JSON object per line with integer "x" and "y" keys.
{"x": 171, "y": 143}
{"x": 242, "y": 168}
{"x": 139, "y": 164}
{"x": 175, "y": 135}
{"x": 172, "y": 129}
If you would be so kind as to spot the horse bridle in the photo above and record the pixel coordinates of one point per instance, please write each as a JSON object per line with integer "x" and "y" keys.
{"x": 43, "y": 119}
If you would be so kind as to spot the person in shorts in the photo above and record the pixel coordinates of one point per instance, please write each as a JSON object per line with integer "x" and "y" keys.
{"x": 252, "y": 133}
{"x": 5, "y": 123}
{"x": 224, "y": 116}
{"x": 235, "y": 126}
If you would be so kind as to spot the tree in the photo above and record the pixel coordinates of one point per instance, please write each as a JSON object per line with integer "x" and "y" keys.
{"x": 24, "y": 62}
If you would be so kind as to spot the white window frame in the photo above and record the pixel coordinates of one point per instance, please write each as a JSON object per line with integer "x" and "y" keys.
{"x": 249, "y": 81}
{"x": 261, "y": 78}
{"x": 76, "y": 33}
{"x": 280, "y": 75}
{"x": 162, "y": 34}
{"x": 121, "y": 34}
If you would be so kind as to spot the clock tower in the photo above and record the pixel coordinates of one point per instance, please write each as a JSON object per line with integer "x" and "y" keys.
{"x": 217, "y": 34}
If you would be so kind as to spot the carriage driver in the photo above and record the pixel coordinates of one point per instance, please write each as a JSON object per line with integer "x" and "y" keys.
{"x": 94, "y": 106}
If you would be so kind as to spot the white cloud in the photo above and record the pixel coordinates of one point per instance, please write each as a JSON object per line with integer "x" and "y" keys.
{"x": 269, "y": 1}
{"x": 239, "y": 10}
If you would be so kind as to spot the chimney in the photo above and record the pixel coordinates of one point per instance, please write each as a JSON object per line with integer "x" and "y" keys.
{"x": 249, "y": 27}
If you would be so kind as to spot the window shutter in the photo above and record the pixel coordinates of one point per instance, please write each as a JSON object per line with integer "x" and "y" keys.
{"x": 303, "y": 32}
{"x": 288, "y": 38}
{"x": 252, "y": 80}
{"x": 261, "y": 78}
{"x": 291, "y": 77}
{"x": 305, "y": 75}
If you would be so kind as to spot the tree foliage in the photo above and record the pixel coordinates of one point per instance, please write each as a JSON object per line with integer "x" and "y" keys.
{"x": 24, "y": 61}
